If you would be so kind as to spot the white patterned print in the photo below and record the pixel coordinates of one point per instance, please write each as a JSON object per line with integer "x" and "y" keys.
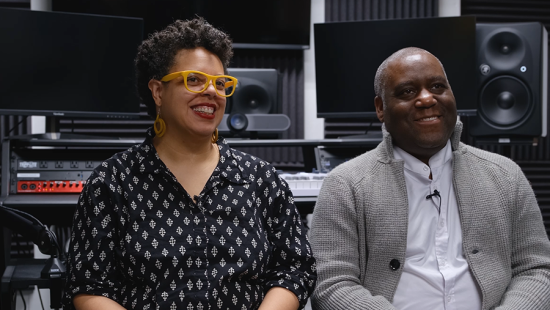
{"x": 139, "y": 239}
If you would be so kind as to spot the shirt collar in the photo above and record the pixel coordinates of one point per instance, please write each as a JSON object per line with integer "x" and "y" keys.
{"x": 386, "y": 147}
{"x": 227, "y": 168}
{"x": 415, "y": 165}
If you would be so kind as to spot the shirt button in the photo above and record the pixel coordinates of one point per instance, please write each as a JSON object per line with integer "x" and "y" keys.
{"x": 395, "y": 264}
{"x": 425, "y": 168}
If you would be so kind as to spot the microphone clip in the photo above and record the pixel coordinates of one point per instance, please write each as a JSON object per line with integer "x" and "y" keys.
{"x": 435, "y": 193}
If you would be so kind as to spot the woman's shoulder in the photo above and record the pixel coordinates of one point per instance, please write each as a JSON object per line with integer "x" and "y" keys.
{"x": 248, "y": 166}
{"x": 124, "y": 161}
{"x": 239, "y": 157}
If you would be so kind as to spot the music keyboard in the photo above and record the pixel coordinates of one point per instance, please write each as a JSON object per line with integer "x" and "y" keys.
{"x": 304, "y": 184}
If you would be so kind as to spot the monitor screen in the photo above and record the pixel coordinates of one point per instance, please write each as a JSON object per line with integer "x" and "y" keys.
{"x": 347, "y": 55}
{"x": 250, "y": 23}
{"x": 65, "y": 64}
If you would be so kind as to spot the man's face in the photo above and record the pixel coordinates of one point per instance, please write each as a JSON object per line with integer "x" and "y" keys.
{"x": 420, "y": 112}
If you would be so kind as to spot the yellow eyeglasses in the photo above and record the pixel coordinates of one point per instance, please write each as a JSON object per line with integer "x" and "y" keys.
{"x": 197, "y": 82}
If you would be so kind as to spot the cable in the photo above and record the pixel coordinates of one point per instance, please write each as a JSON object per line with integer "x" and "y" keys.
{"x": 24, "y": 213}
{"x": 23, "y": 298}
{"x": 40, "y": 295}
{"x": 52, "y": 235}
{"x": 14, "y": 299}
{"x": 15, "y": 126}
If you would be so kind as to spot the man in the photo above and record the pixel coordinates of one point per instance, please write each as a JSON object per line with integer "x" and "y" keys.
{"x": 424, "y": 221}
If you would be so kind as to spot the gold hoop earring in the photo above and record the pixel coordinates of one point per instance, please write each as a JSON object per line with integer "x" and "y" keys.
{"x": 159, "y": 126}
{"x": 215, "y": 136}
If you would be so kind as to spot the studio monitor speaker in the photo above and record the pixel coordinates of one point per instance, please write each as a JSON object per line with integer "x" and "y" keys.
{"x": 257, "y": 91}
{"x": 512, "y": 80}
{"x": 254, "y": 110}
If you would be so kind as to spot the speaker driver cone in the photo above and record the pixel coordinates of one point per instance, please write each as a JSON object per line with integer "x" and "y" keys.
{"x": 504, "y": 50}
{"x": 505, "y": 101}
{"x": 251, "y": 97}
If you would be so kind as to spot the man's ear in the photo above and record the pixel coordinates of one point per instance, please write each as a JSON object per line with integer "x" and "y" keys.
{"x": 379, "y": 105}
{"x": 156, "y": 90}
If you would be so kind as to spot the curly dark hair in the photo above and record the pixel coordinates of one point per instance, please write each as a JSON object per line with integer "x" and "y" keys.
{"x": 156, "y": 54}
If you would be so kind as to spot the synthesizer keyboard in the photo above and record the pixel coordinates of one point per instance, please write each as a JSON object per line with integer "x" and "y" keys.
{"x": 304, "y": 184}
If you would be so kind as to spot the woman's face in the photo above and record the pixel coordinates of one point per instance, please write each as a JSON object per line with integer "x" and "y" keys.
{"x": 190, "y": 114}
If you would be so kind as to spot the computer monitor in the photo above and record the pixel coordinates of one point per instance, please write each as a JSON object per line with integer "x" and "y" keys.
{"x": 68, "y": 65}
{"x": 347, "y": 55}
{"x": 281, "y": 24}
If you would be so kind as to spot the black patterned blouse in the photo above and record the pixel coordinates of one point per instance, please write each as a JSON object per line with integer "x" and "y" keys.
{"x": 139, "y": 239}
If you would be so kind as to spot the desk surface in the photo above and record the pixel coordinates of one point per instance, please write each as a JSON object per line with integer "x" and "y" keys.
{"x": 22, "y": 273}
{"x": 76, "y": 140}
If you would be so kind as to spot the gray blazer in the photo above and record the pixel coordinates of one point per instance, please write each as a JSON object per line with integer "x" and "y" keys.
{"x": 359, "y": 230}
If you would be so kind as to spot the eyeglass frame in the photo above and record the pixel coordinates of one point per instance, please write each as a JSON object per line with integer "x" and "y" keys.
{"x": 210, "y": 79}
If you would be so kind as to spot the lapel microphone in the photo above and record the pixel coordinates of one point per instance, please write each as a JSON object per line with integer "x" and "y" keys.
{"x": 435, "y": 193}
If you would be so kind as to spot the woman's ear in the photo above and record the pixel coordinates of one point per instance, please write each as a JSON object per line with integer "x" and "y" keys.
{"x": 156, "y": 90}
{"x": 379, "y": 105}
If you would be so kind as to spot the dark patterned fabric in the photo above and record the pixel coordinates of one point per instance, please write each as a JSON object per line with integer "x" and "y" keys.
{"x": 139, "y": 239}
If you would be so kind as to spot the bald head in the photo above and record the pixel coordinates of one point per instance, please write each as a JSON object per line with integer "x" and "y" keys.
{"x": 381, "y": 77}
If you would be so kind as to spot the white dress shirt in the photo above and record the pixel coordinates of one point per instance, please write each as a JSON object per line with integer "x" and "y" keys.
{"x": 435, "y": 274}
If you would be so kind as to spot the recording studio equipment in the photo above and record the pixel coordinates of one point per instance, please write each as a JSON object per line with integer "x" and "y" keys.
{"x": 512, "y": 75}
{"x": 328, "y": 157}
{"x": 304, "y": 184}
{"x": 347, "y": 55}
{"x": 45, "y": 175}
{"x": 257, "y": 92}
{"x": 255, "y": 107}
{"x": 268, "y": 123}
{"x": 237, "y": 122}
{"x": 435, "y": 193}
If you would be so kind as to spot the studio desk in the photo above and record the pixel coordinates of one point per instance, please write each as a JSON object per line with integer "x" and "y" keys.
{"x": 43, "y": 175}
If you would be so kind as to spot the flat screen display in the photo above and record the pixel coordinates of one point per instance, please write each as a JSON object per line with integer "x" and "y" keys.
{"x": 250, "y": 23}
{"x": 65, "y": 64}
{"x": 347, "y": 55}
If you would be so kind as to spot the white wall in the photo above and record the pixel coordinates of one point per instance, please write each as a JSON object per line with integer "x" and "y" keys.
{"x": 313, "y": 126}
{"x": 449, "y": 8}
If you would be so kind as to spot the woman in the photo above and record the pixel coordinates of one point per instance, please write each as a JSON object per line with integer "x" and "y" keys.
{"x": 182, "y": 221}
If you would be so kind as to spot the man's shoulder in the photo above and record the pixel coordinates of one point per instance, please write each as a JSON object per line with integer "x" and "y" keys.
{"x": 486, "y": 159}
{"x": 356, "y": 167}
